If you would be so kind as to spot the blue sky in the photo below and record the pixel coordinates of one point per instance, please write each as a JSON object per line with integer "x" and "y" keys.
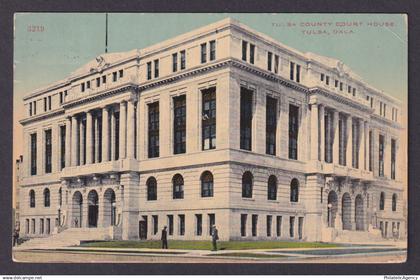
{"x": 68, "y": 41}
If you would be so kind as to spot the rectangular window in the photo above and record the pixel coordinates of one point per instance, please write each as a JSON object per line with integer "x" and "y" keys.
{"x": 45, "y": 104}
{"x": 156, "y": 63}
{"x": 33, "y": 154}
{"x": 183, "y": 60}
{"x": 41, "y": 226}
{"x": 82, "y": 87}
{"x": 354, "y": 92}
{"x": 212, "y": 222}
{"x": 171, "y": 224}
{"x": 336, "y": 83}
{"x": 121, "y": 73}
{"x": 153, "y": 129}
{"x": 62, "y": 146}
{"x": 276, "y": 64}
{"x": 208, "y": 120}
{"x": 174, "y": 62}
{"x": 300, "y": 228}
{"x": 149, "y": 70}
{"x": 98, "y": 82}
{"x": 341, "y": 86}
{"x": 327, "y": 80}
{"x": 269, "y": 221}
{"x": 246, "y": 119}
{"x": 155, "y": 221}
{"x": 48, "y": 226}
{"x": 278, "y": 225}
{"x": 384, "y": 110}
{"x": 393, "y": 157}
{"x": 244, "y": 50}
{"x": 180, "y": 119}
{"x": 30, "y": 108}
{"x": 292, "y": 227}
{"x": 48, "y": 150}
{"x": 181, "y": 219}
{"x": 293, "y": 131}
{"x": 212, "y": 50}
{"x": 49, "y": 102}
{"x": 355, "y": 145}
{"x": 292, "y": 71}
{"x": 380, "y": 108}
{"x": 88, "y": 84}
{"x": 254, "y": 225}
{"x": 251, "y": 53}
{"x": 104, "y": 79}
{"x": 322, "y": 77}
{"x": 243, "y": 224}
{"x": 370, "y": 151}
{"x": 114, "y": 76}
{"x": 204, "y": 53}
{"x": 341, "y": 141}
{"x": 348, "y": 89}
{"x": 381, "y": 155}
{"x": 198, "y": 224}
{"x": 328, "y": 137}
{"x": 269, "y": 60}
{"x": 371, "y": 102}
{"x": 61, "y": 97}
{"x": 27, "y": 226}
{"x": 33, "y": 226}
{"x": 270, "y": 125}
{"x": 297, "y": 73}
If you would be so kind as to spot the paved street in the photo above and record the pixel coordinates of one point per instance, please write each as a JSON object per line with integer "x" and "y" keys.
{"x": 374, "y": 254}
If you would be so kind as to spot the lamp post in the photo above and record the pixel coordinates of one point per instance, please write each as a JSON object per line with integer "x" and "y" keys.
{"x": 329, "y": 206}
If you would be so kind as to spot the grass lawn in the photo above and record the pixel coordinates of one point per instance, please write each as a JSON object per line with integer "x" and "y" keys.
{"x": 206, "y": 245}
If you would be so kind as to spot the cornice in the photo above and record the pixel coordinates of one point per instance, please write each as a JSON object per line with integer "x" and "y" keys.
{"x": 44, "y": 116}
{"x": 386, "y": 121}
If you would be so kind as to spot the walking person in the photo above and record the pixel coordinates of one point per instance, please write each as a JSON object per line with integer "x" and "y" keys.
{"x": 164, "y": 238}
{"x": 15, "y": 237}
{"x": 76, "y": 222}
{"x": 214, "y": 237}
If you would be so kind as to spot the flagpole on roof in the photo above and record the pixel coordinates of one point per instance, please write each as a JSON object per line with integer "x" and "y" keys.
{"x": 106, "y": 32}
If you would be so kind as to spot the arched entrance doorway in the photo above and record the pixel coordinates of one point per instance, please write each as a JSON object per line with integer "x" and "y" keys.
{"x": 346, "y": 211}
{"x": 93, "y": 208}
{"x": 359, "y": 213}
{"x": 332, "y": 208}
{"x": 110, "y": 208}
{"x": 77, "y": 209}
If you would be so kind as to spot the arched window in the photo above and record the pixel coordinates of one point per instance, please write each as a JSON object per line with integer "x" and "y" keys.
{"x": 32, "y": 198}
{"x": 394, "y": 202}
{"x": 247, "y": 181}
{"x": 47, "y": 198}
{"x": 60, "y": 196}
{"x": 151, "y": 188}
{"x": 272, "y": 188}
{"x": 382, "y": 201}
{"x": 206, "y": 184}
{"x": 294, "y": 190}
{"x": 178, "y": 186}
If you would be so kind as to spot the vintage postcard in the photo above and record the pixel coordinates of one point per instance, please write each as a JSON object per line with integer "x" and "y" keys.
{"x": 214, "y": 138}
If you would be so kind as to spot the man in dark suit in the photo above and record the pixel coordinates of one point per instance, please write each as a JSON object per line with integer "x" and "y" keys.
{"x": 164, "y": 238}
{"x": 214, "y": 237}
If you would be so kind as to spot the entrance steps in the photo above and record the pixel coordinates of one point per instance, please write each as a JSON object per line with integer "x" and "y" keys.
{"x": 351, "y": 236}
{"x": 68, "y": 237}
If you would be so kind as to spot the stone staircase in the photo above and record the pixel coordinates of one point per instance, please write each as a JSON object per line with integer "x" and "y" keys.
{"x": 68, "y": 237}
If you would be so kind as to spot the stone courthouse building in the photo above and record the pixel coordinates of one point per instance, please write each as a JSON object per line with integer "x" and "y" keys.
{"x": 219, "y": 126}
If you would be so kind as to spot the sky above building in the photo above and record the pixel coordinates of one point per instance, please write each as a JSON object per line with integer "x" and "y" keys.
{"x": 49, "y": 46}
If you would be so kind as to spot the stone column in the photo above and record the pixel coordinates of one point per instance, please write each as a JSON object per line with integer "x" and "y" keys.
{"x": 105, "y": 134}
{"x": 112, "y": 158}
{"x": 130, "y": 211}
{"x": 101, "y": 209}
{"x": 81, "y": 143}
{"x": 314, "y": 132}
{"x": 123, "y": 129}
{"x": 336, "y": 138}
{"x": 96, "y": 160}
{"x": 131, "y": 130}
{"x": 85, "y": 214}
{"x": 74, "y": 153}
{"x": 349, "y": 141}
{"x": 322, "y": 132}
{"x": 89, "y": 136}
{"x": 68, "y": 143}
{"x": 367, "y": 146}
{"x": 362, "y": 144}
